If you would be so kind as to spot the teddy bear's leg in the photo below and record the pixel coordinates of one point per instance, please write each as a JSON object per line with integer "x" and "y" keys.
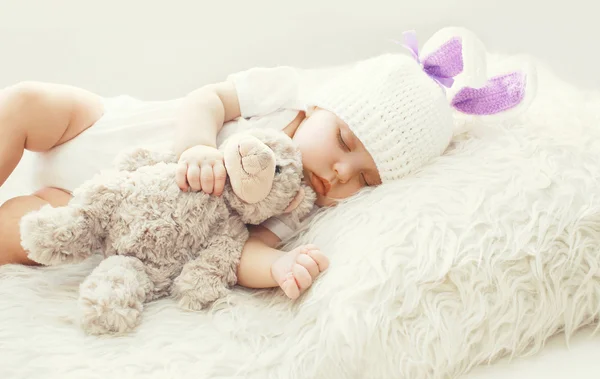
{"x": 53, "y": 236}
{"x": 208, "y": 277}
{"x": 132, "y": 159}
{"x": 111, "y": 298}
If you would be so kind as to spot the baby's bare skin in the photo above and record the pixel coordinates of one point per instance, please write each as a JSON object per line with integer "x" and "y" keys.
{"x": 296, "y": 270}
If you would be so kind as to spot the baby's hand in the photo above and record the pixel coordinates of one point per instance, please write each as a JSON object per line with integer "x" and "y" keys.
{"x": 201, "y": 168}
{"x": 295, "y": 271}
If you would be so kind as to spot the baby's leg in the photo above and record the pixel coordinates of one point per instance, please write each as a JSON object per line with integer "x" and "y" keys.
{"x": 39, "y": 116}
{"x": 10, "y": 216}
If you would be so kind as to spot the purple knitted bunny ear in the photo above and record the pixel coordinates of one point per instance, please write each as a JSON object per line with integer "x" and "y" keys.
{"x": 457, "y": 52}
{"x": 499, "y": 94}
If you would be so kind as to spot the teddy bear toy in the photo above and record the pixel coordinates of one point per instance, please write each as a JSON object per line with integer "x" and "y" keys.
{"x": 160, "y": 241}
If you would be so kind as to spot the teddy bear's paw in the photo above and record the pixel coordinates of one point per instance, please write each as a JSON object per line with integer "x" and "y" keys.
{"x": 196, "y": 290}
{"x": 191, "y": 302}
{"x": 109, "y": 306}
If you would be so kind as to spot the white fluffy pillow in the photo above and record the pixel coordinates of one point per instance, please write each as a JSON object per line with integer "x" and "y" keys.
{"x": 488, "y": 251}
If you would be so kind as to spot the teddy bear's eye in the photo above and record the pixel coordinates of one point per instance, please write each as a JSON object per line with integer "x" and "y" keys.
{"x": 277, "y": 169}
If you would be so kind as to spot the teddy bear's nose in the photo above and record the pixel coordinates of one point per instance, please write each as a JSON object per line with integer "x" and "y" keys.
{"x": 254, "y": 158}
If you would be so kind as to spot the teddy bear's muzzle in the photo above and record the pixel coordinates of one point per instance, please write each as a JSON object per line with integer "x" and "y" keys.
{"x": 250, "y": 165}
{"x": 254, "y": 158}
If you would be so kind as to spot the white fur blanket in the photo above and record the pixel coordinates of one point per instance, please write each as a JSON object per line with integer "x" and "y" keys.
{"x": 487, "y": 252}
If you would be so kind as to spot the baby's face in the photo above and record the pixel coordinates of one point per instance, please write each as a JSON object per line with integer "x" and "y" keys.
{"x": 336, "y": 164}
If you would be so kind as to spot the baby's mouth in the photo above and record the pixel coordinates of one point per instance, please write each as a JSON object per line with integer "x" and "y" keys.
{"x": 320, "y": 185}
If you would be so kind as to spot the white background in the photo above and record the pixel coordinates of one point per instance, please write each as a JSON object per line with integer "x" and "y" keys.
{"x": 161, "y": 49}
{"x": 164, "y": 49}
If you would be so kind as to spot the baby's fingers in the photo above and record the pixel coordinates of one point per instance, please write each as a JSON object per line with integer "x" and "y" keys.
{"x": 220, "y": 175}
{"x": 193, "y": 177}
{"x": 207, "y": 178}
{"x": 302, "y": 277}
{"x": 309, "y": 263}
{"x": 320, "y": 259}
{"x": 290, "y": 287}
{"x": 181, "y": 176}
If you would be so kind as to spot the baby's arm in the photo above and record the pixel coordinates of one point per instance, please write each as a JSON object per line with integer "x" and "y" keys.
{"x": 203, "y": 113}
{"x": 264, "y": 266}
{"x": 202, "y": 117}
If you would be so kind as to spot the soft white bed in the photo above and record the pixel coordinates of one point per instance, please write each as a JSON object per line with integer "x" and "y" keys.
{"x": 365, "y": 317}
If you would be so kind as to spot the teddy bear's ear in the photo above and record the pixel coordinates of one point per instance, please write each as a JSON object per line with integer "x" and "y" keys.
{"x": 296, "y": 201}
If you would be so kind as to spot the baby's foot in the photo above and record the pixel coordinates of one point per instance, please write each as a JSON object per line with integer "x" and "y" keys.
{"x": 295, "y": 271}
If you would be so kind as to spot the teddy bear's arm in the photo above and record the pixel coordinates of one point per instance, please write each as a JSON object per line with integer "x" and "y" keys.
{"x": 209, "y": 277}
{"x": 132, "y": 159}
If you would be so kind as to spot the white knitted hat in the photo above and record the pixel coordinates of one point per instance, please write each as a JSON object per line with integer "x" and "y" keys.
{"x": 398, "y": 112}
{"x": 398, "y": 108}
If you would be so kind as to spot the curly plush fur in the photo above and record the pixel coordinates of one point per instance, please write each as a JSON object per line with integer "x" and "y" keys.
{"x": 159, "y": 240}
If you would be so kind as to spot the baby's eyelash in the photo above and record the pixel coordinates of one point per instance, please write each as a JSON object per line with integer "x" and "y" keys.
{"x": 341, "y": 141}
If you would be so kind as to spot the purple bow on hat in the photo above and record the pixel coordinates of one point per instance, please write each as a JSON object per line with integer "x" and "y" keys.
{"x": 443, "y": 65}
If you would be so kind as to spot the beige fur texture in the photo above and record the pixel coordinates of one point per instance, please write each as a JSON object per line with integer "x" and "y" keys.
{"x": 158, "y": 240}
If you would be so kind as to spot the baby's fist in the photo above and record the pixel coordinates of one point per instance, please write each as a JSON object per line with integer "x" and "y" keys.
{"x": 295, "y": 271}
{"x": 201, "y": 168}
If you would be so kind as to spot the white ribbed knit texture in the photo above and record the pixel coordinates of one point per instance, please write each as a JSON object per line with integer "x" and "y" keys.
{"x": 398, "y": 112}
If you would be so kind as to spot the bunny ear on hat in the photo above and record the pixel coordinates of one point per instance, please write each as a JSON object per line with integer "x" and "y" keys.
{"x": 503, "y": 96}
{"x": 499, "y": 94}
{"x": 457, "y": 60}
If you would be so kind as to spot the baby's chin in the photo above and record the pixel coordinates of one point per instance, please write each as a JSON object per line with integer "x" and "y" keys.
{"x": 323, "y": 201}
